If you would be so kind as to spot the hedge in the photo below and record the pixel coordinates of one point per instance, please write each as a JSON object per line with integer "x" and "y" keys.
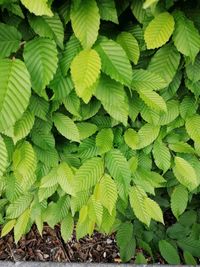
{"x": 100, "y": 124}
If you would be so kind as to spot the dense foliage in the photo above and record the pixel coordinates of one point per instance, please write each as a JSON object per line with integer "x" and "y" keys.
{"x": 99, "y": 122}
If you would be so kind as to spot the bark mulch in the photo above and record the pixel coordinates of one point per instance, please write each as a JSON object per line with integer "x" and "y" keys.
{"x": 51, "y": 247}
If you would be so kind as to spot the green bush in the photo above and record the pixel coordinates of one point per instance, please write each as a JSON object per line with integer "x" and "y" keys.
{"x": 99, "y": 122}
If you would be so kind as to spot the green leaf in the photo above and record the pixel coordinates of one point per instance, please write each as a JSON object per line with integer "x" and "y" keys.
{"x": 140, "y": 259}
{"x": 3, "y": 156}
{"x": 15, "y": 80}
{"x": 189, "y": 259}
{"x": 66, "y": 127}
{"x": 192, "y": 126}
{"x": 104, "y": 140}
{"x": 114, "y": 60}
{"x": 161, "y": 155}
{"x": 85, "y": 70}
{"x": 126, "y": 241}
{"x": 130, "y": 45}
{"x": 50, "y": 27}
{"x": 108, "y": 192}
{"x": 108, "y": 10}
{"x": 39, "y": 8}
{"x": 85, "y": 21}
{"x": 186, "y": 37}
{"x": 179, "y": 200}
{"x": 40, "y": 56}
{"x": 137, "y": 197}
{"x": 154, "y": 210}
{"x": 9, "y": 40}
{"x": 144, "y": 80}
{"x": 61, "y": 85}
{"x": 185, "y": 173}
{"x": 168, "y": 252}
{"x": 21, "y": 225}
{"x": 16, "y": 208}
{"x": 67, "y": 226}
{"x": 7, "y": 227}
{"x": 118, "y": 167}
{"x": 190, "y": 245}
{"x": 72, "y": 48}
{"x": 193, "y": 70}
{"x": 147, "y": 134}
{"x": 159, "y": 30}
{"x": 113, "y": 98}
{"x": 88, "y": 174}
{"x": 165, "y": 62}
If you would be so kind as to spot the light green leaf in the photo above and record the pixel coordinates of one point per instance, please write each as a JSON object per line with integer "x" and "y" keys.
{"x": 161, "y": 155}
{"x": 85, "y": 21}
{"x": 65, "y": 178}
{"x": 108, "y": 192}
{"x": 104, "y": 140}
{"x": 39, "y": 7}
{"x": 114, "y": 60}
{"x": 9, "y": 40}
{"x": 23, "y": 126}
{"x": 14, "y": 80}
{"x": 88, "y": 174}
{"x": 131, "y": 138}
{"x": 185, "y": 173}
{"x": 186, "y": 37}
{"x": 159, "y": 30}
{"x": 153, "y": 100}
{"x": 147, "y": 134}
{"x": 24, "y": 164}
{"x": 137, "y": 197}
{"x": 40, "y": 56}
{"x": 179, "y": 200}
{"x": 153, "y": 209}
{"x": 168, "y": 252}
{"x": 182, "y": 147}
{"x": 21, "y": 225}
{"x": 67, "y": 226}
{"x": 149, "y": 3}
{"x": 165, "y": 62}
{"x": 130, "y": 46}
{"x": 192, "y": 126}
{"x": 85, "y": 70}
{"x": 86, "y": 129}
{"x": 66, "y": 127}
{"x": 7, "y": 227}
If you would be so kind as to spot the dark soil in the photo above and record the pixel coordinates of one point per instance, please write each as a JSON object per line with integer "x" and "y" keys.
{"x": 51, "y": 247}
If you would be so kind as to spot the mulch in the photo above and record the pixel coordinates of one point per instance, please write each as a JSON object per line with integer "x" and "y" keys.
{"x": 51, "y": 247}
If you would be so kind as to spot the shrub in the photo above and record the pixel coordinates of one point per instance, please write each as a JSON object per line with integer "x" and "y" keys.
{"x": 99, "y": 122}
